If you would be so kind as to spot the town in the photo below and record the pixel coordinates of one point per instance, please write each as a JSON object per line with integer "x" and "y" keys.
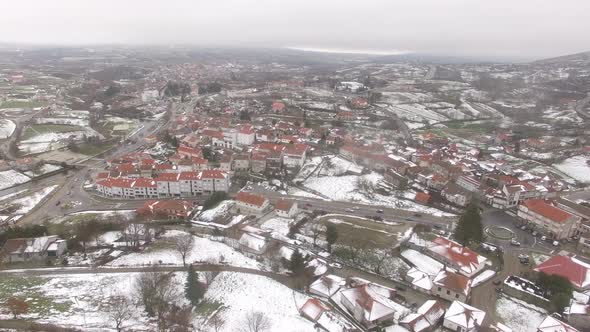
{"x": 216, "y": 190}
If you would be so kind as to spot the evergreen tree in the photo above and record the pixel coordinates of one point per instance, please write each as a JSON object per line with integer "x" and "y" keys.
{"x": 297, "y": 263}
{"x": 193, "y": 289}
{"x": 331, "y": 235}
{"x": 469, "y": 228}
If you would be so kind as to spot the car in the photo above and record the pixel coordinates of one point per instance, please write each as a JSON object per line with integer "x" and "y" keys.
{"x": 400, "y": 288}
{"x": 335, "y": 265}
{"x": 58, "y": 203}
{"x": 523, "y": 228}
{"x": 514, "y": 243}
{"x": 417, "y": 215}
{"x": 356, "y": 208}
{"x": 535, "y": 233}
{"x": 543, "y": 238}
{"x": 308, "y": 204}
{"x": 497, "y": 282}
{"x": 437, "y": 226}
{"x": 377, "y": 218}
{"x": 555, "y": 243}
{"x": 499, "y": 289}
{"x": 380, "y": 211}
{"x": 349, "y": 210}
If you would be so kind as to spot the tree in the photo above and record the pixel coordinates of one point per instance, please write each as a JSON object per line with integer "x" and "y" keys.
{"x": 177, "y": 319}
{"x": 331, "y": 235}
{"x": 558, "y": 289}
{"x": 316, "y": 230}
{"x": 85, "y": 231}
{"x": 156, "y": 292}
{"x": 119, "y": 309}
{"x": 184, "y": 245}
{"x": 256, "y": 321}
{"x": 193, "y": 289}
{"x": 216, "y": 322}
{"x": 17, "y": 306}
{"x": 216, "y": 198}
{"x": 469, "y": 228}
{"x": 297, "y": 263}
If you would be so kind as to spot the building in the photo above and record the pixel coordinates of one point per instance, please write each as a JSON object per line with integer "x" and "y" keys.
{"x": 469, "y": 183}
{"x": 30, "y": 249}
{"x": 456, "y": 194}
{"x": 326, "y": 286}
{"x": 253, "y": 244}
{"x": 552, "y": 324}
{"x": 451, "y": 286}
{"x": 370, "y": 304}
{"x": 549, "y": 219}
{"x": 576, "y": 271}
{"x": 286, "y": 208}
{"x": 248, "y": 203}
{"x": 462, "y": 317}
{"x": 451, "y": 253}
{"x": 241, "y": 162}
{"x": 578, "y": 315}
{"x": 427, "y": 317}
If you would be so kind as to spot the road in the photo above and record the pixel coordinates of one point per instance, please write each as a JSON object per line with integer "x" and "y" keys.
{"x": 581, "y": 107}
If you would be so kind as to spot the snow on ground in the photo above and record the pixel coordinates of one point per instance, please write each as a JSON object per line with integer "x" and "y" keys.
{"x": 27, "y": 203}
{"x": 80, "y": 300}
{"x": 221, "y": 210}
{"x": 9, "y": 196}
{"x": 518, "y": 315}
{"x": 7, "y": 127}
{"x": 203, "y": 250}
{"x": 422, "y": 262}
{"x": 242, "y": 293}
{"x": 577, "y": 167}
{"x": 278, "y": 225}
{"x": 483, "y": 277}
{"x": 11, "y": 178}
{"x": 44, "y": 169}
{"x": 64, "y": 121}
{"x": 348, "y": 188}
{"x": 103, "y": 214}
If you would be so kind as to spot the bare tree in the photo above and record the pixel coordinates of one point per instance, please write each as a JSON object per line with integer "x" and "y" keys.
{"x": 316, "y": 229}
{"x": 209, "y": 276}
{"x": 184, "y": 245}
{"x": 216, "y": 322}
{"x": 256, "y": 321}
{"x": 119, "y": 310}
{"x": 156, "y": 292}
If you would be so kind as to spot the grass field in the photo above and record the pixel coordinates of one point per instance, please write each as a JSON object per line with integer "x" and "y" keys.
{"x": 22, "y": 104}
{"x": 93, "y": 149}
{"x": 353, "y": 231}
{"x": 37, "y": 129}
{"x": 27, "y": 288}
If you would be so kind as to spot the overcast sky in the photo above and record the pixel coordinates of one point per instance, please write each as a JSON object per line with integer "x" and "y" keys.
{"x": 531, "y": 28}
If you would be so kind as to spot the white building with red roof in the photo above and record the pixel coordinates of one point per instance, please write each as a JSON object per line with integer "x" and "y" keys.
{"x": 460, "y": 258}
{"x": 451, "y": 286}
{"x": 576, "y": 271}
{"x": 370, "y": 304}
{"x": 251, "y": 203}
{"x": 169, "y": 208}
{"x": 286, "y": 208}
{"x": 426, "y": 318}
{"x": 549, "y": 219}
{"x": 246, "y": 136}
{"x": 463, "y": 317}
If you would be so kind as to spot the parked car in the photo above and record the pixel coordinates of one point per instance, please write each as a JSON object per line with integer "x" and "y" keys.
{"x": 335, "y": 265}
{"x": 497, "y": 282}
{"x": 380, "y": 211}
{"x": 543, "y": 238}
{"x": 555, "y": 243}
{"x": 349, "y": 210}
{"x": 514, "y": 243}
{"x": 535, "y": 233}
{"x": 499, "y": 289}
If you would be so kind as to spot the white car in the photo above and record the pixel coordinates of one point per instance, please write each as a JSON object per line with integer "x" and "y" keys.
{"x": 349, "y": 210}
{"x": 555, "y": 243}
{"x": 543, "y": 238}
{"x": 335, "y": 265}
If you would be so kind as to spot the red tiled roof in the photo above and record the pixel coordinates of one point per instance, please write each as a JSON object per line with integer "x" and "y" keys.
{"x": 464, "y": 257}
{"x": 213, "y": 174}
{"x": 284, "y": 204}
{"x": 250, "y": 198}
{"x": 278, "y": 106}
{"x": 189, "y": 176}
{"x": 422, "y": 197}
{"x": 547, "y": 210}
{"x": 572, "y": 269}
{"x": 167, "y": 177}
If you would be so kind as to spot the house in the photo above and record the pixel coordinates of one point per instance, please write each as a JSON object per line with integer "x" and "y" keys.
{"x": 456, "y": 194}
{"x": 451, "y": 286}
{"x": 246, "y": 136}
{"x": 420, "y": 280}
{"x": 251, "y": 203}
{"x": 253, "y": 244}
{"x": 427, "y": 317}
{"x": 286, "y": 208}
{"x": 169, "y": 208}
{"x": 576, "y": 271}
{"x": 27, "y": 249}
{"x": 397, "y": 180}
{"x": 241, "y": 162}
{"x": 462, "y": 317}
{"x": 326, "y": 286}
{"x": 578, "y": 315}
{"x": 370, "y": 304}
{"x": 278, "y": 106}
{"x": 552, "y": 324}
{"x": 460, "y": 258}
{"x": 422, "y": 198}
{"x": 323, "y": 318}
{"x": 548, "y": 219}
{"x": 469, "y": 183}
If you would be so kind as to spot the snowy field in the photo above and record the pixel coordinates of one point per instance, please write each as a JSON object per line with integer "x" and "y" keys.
{"x": 242, "y": 293}
{"x": 7, "y": 127}
{"x": 278, "y": 225}
{"x": 11, "y": 178}
{"x": 203, "y": 250}
{"x": 518, "y": 315}
{"x": 349, "y": 188}
{"x": 221, "y": 210}
{"x": 576, "y": 167}
{"x": 27, "y": 203}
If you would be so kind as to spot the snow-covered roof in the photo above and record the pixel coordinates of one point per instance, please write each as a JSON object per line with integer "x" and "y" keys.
{"x": 465, "y": 315}
{"x": 552, "y": 324}
{"x": 327, "y": 285}
{"x": 372, "y": 299}
{"x": 420, "y": 279}
{"x": 427, "y": 316}
{"x": 253, "y": 241}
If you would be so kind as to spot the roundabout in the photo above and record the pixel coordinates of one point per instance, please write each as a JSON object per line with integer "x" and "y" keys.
{"x": 499, "y": 232}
